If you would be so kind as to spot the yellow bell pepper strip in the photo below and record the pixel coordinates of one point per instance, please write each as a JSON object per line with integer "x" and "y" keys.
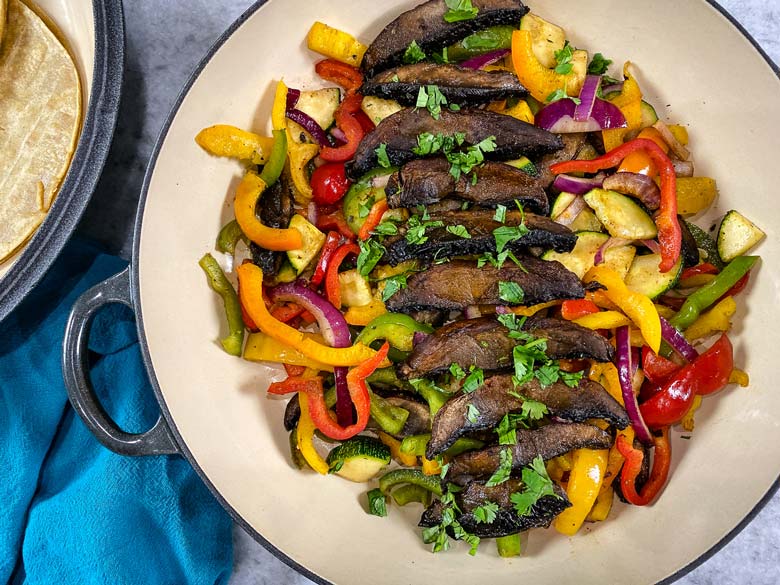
{"x": 716, "y": 319}
{"x": 250, "y": 278}
{"x": 533, "y": 309}
{"x": 638, "y": 307}
{"x": 639, "y": 162}
{"x": 279, "y": 107}
{"x": 248, "y": 193}
{"x": 220, "y": 285}
{"x": 430, "y": 466}
{"x": 630, "y": 103}
{"x": 275, "y": 165}
{"x": 662, "y": 457}
{"x": 264, "y": 348}
{"x": 305, "y": 431}
{"x": 612, "y": 380}
{"x": 680, "y": 133}
{"x": 540, "y": 81}
{"x": 300, "y": 155}
{"x": 521, "y": 111}
{"x": 669, "y": 231}
{"x": 585, "y": 479}
{"x": 603, "y": 320}
{"x": 687, "y": 422}
{"x": 695, "y": 194}
{"x": 361, "y": 316}
{"x": 395, "y": 450}
{"x": 602, "y": 507}
{"x": 336, "y": 44}
{"x": 615, "y": 459}
{"x": 739, "y": 377}
{"x": 229, "y": 141}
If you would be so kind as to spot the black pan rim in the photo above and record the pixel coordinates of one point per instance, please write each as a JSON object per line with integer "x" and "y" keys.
{"x": 184, "y": 450}
{"x": 87, "y": 164}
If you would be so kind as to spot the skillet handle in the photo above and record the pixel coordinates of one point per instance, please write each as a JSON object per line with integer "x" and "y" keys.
{"x": 75, "y": 369}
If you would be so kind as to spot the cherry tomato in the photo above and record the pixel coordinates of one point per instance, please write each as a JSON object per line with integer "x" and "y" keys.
{"x": 329, "y": 183}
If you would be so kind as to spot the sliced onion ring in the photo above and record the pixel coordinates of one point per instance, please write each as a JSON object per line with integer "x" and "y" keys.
{"x": 310, "y": 125}
{"x": 610, "y": 243}
{"x": 677, "y": 340}
{"x": 577, "y": 185}
{"x": 625, "y": 375}
{"x": 558, "y": 117}
{"x": 588, "y": 93}
{"x": 640, "y": 186}
{"x": 481, "y": 61}
{"x": 573, "y": 209}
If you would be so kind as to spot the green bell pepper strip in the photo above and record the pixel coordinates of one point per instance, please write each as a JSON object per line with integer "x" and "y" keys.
{"x": 416, "y": 445}
{"x": 481, "y": 42}
{"x": 234, "y": 342}
{"x": 408, "y": 493}
{"x": 432, "y": 483}
{"x": 711, "y": 292}
{"x": 508, "y": 546}
{"x": 389, "y": 377}
{"x": 275, "y": 165}
{"x": 229, "y": 236}
{"x": 432, "y": 394}
{"x": 389, "y": 417}
{"x": 398, "y": 329}
{"x": 295, "y": 454}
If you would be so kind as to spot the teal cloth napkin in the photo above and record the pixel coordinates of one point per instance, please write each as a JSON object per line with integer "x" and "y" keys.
{"x": 70, "y": 510}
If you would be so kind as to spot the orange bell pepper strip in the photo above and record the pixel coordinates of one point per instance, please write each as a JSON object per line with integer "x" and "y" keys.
{"x": 639, "y": 308}
{"x": 332, "y": 286}
{"x": 538, "y": 79}
{"x": 574, "y": 309}
{"x": 662, "y": 458}
{"x": 669, "y": 231}
{"x": 250, "y": 278}
{"x": 373, "y": 219}
{"x": 630, "y": 103}
{"x": 248, "y": 192}
{"x": 640, "y": 162}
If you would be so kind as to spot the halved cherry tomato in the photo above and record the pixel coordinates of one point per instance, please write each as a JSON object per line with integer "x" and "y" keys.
{"x": 329, "y": 183}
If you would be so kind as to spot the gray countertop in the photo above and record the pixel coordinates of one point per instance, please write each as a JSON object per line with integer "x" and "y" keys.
{"x": 165, "y": 40}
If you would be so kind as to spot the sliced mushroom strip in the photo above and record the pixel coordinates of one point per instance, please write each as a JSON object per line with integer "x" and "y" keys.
{"x": 507, "y": 521}
{"x": 487, "y": 405}
{"x": 425, "y": 25}
{"x": 427, "y": 181}
{"x": 465, "y": 87}
{"x": 455, "y": 285}
{"x": 547, "y": 442}
{"x": 572, "y": 144}
{"x": 465, "y": 233}
{"x": 399, "y": 133}
{"x": 485, "y": 344}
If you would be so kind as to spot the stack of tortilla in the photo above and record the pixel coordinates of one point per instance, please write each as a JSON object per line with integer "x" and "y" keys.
{"x": 40, "y": 120}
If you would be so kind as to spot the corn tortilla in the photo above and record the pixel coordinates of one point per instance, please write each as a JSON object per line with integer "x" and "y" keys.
{"x": 40, "y": 119}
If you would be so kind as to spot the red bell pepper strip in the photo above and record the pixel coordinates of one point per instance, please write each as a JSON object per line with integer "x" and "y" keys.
{"x": 574, "y": 309}
{"x": 657, "y": 368}
{"x": 365, "y": 121}
{"x": 318, "y": 409}
{"x": 330, "y": 246}
{"x": 332, "y": 289}
{"x": 373, "y": 219}
{"x": 662, "y": 457}
{"x": 706, "y": 374}
{"x": 738, "y": 287}
{"x": 669, "y": 233}
{"x": 352, "y": 129}
{"x": 348, "y": 77}
{"x": 286, "y": 312}
{"x": 335, "y": 221}
{"x": 704, "y": 268}
{"x": 294, "y": 371}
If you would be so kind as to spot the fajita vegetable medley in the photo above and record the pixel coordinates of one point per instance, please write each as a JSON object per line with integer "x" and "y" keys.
{"x": 473, "y": 255}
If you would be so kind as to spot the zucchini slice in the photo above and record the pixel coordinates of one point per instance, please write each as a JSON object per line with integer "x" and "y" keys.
{"x": 708, "y": 250}
{"x": 377, "y": 109}
{"x": 361, "y": 198}
{"x": 586, "y": 221}
{"x": 582, "y": 257}
{"x": 737, "y": 235}
{"x": 358, "y": 459}
{"x": 320, "y": 105}
{"x": 622, "y": 217}
{"x": 546, "y": 38}
{"x": 649, "y": 117}
{"x": 524, "y": 164}
{"x": 645, "y": 277}
{"x": 313, "y": 239}
{"x": 561, "y": 203}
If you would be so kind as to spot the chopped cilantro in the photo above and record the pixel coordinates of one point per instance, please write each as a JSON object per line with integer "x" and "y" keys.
{"x": 395, "y": 78}
{"x": 454, "y": 108}
{"x": 537, "y": 484}
{"x": 533, "y": 409}
{"x": 571, "y": 379}
{"x": 464, "y": 162}
{"x": 474, "y": 380}
{"x": 442, "y": 57}
{"x": 497, "y": 261}
{"x": 413, "y": 54}
{"x": 500, "y": 215}
{"x": 511, "y": 292}
{"x": 472, "y": 414}
{"x": 393, "y": 285}
{"x": 599, "y": 64}
{"x": 563, "y": 59}
{"x": 460, "y": 231}
{"x": 558, "y": 94}
{"x": 507, "y": 428}
{"x": 365, "y": 207}
{"x": 386, "y": 228}
{"x": 371, "y": 253}
{"x": 437, "y": 535}
{"x": 381, "y": 156}
{"x": 507, "y": 234}
{"x": 457, "y": 372}
{"x": 460, "y": 10}
{"x": 432, "y": 99}
{"x": 501, "y": 474}
{"x": 486, "y": 513}
{"x": 416, "y": 228}
{"x": 376, "y": 503}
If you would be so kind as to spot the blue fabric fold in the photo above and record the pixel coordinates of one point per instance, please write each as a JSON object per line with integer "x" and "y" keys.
{"x": 72, "y": 511}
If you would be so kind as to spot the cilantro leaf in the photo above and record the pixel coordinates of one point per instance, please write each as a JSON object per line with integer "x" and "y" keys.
{"x": 563, "y": 59}
{"x": 501, "y": 474}
{"x": 381, "y": 156}
{"x": 507, "y": 234}
{"x": 386, "y": 228}
{"x": 416, "y": 228}
{"x": 511, "y": 292}
{"x": 457, "y": 372}
{"x": 460, "y": 10}
{"x": 371, "y": 253}
{"x": 393, "y": 285}
{"x": 533, "y": 409}
{"x": 558, "y": 94}
{"x": 500, "y": 215}
{"x": 571, "y": 379}
{"x": 432, "y": 99}
{"x": 599, "y": 64}
{"x": 474, "y": 380}
{"x": 537, "y": 484}
{"x": 376, "y": 503}
{"x": 454, "y": 108}
{"x": 547, "y": 374}
{"x": 486, "y": 513}
{"x": 413, "y": 54}
{"x": 507, "y": 429}
{"x": 472, "y": 415}
{"x": 460, "y": 231}
{"x": 364, "y": 208}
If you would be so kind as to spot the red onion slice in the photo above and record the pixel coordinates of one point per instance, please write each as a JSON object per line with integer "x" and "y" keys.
{"x": 674, "y": 145}
{"x": 652, "y": 245}
{"x": 481, "y": 61}
{"x": 625, "y": 375}
{"x": 293, "y": 95}
{"x": 310, "y": 125}
{"x": 569, "y": 214}
{"x": 558, "y": 117}
{"x": 419, "y": 337}
{"x": 610, "y": 88}
{"x": 610, "y": 243}
{"x": 587, "y": 98}
{"x": 640, "y": 186}
{"x": 677, "y": 340}
{"x": 577, "y": 185}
